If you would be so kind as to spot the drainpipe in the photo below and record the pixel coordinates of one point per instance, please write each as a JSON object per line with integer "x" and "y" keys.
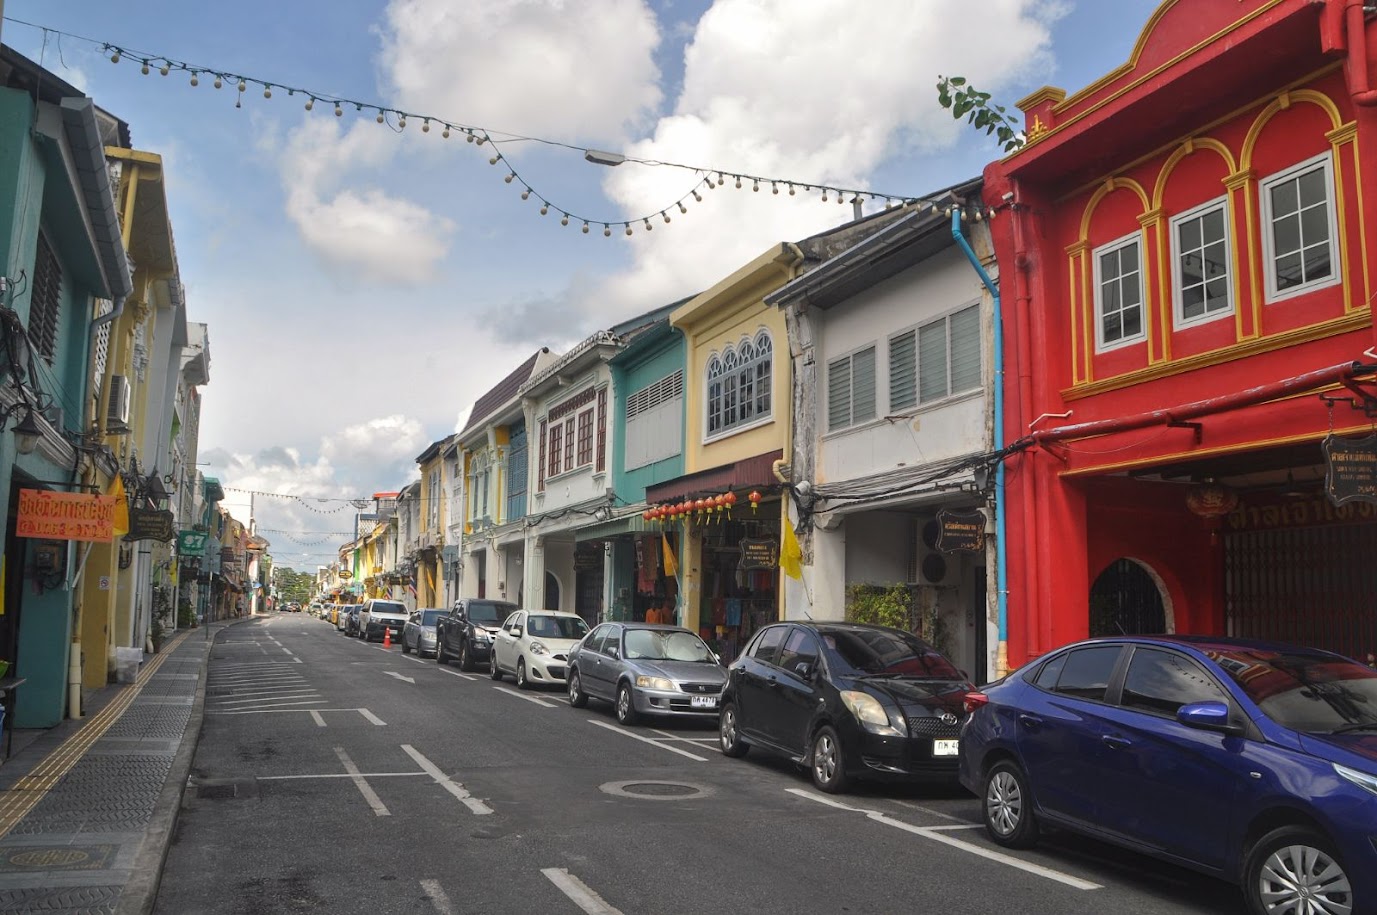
{"x": 1001, "y": 554}
{"x": 1361, "y": 90}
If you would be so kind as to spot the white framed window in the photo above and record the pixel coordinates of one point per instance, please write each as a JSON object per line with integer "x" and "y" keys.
{"x": 1119, "y": 293}
{"x": 1299, "y": 228}
{"x": 573, "y": 434}
{"x": 851, "y": 389}
{"x": 738, "y": 385}
{"x": 1202, "y": 284}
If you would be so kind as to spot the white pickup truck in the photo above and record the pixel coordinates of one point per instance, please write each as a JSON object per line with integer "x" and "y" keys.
{"x": 380, "y": 616}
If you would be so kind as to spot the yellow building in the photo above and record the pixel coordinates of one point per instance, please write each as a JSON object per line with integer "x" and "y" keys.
{"x": 737, "y": 411}
{"x": 430, "y": 574}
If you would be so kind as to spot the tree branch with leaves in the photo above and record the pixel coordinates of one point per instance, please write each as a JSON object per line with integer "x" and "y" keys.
{"x": 965, "y": 101}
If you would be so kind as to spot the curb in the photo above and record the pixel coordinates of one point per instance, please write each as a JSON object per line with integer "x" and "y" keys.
{"x": 140, "y": 894}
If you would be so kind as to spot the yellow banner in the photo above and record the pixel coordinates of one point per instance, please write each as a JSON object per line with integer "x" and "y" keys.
{"x": 65, "y": 516}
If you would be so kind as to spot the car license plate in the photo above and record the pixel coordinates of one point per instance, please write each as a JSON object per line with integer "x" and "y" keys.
{"x": 703, "y": 702}
{"x": 945, "y": 747}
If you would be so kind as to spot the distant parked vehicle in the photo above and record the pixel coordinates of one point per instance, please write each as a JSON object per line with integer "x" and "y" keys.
{"x": 848, "y": 700}
{"x": 646, "y": 669}
{"x": 418, "y": 634}
{"x": 533, "y": 646}
{"x": 350, "y": 612}
{"x": 467, "y": 632}
{"x": 379, "y": 617}
{"x": 1254, "y": 762}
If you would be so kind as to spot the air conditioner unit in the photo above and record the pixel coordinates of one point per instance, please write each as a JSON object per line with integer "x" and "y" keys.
{"x": 117, "y": 414}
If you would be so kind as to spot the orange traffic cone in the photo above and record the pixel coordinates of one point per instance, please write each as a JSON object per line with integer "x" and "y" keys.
{"x": 387, "y": 638}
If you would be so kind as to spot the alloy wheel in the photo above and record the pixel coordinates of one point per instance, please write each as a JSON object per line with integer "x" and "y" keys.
{"x": 825, "y": 758}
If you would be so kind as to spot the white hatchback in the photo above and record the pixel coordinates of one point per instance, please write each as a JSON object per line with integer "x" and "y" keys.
{"x": 533, "y": 646}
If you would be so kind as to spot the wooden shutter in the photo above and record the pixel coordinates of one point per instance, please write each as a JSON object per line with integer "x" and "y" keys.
{"x": 903, "y": 372}
{"x": 602, "y": 430}
{"x": 863, "y": 385}
{"x": 540, "y": 486}
{"x": 932, "y": 361}
{"x": 839, "y": 393}
{"x": 965, "y": 349}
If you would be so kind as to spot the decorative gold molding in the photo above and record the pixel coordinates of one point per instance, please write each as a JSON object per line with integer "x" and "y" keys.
{"x": 1343, "y": 133}
{"x": 1053, "y": 93}
{"x": 1354, "y": 321}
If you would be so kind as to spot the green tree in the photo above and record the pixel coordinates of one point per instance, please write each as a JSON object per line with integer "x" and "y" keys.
{"x": 965, "y": 101}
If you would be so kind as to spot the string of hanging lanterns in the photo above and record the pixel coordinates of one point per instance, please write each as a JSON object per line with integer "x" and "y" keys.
{"x": 703, "y": 510}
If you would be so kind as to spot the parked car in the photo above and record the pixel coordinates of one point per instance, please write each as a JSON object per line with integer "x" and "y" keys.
{"x": 350, "y": 614}
{"x": 848, "y": 700}
{"x": 418, "y": 634}
{"x": 533, "y": 646}
{"x": 380, "y": 616}
{"x": 646, "y": 669}
{"x": 467, "y": 632}
{"x": 1251, "y": 761}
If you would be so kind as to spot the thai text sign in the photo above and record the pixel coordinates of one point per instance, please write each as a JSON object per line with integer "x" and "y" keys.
{"x": 1351, "y": 471}
{"x": 66, "y": 516}
{"x": 960, "y": 531}
{"x": 759, "y": 554}
{"x": 147, "y": 524}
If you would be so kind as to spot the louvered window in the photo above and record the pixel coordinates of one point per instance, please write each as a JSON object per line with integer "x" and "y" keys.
{"x": 903, "y": 371}
{"x": 851, "y": 389}
{"x": 46, "y": 300}
{"x": 654, "y": 421}
{"x": 949, "y": 355}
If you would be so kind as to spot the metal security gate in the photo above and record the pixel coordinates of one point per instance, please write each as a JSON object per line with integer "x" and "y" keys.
{"x": 1125, "y": 600}
{"x": 1314, "y": 586}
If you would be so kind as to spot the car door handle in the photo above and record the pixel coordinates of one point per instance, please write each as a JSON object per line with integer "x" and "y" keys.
{"x": 1115, "y": 743}
{"x": 1031, "y": 722}
{"x": 772, "y": 682}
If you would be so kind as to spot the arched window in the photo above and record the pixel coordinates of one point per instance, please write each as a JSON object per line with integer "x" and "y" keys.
{"x": 738, "y": 384}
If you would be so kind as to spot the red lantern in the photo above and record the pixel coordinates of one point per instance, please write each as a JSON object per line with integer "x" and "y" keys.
{"x": 755, "y": 498}
{"x": 700, "y": 506}
{"x": 647, "y": 515}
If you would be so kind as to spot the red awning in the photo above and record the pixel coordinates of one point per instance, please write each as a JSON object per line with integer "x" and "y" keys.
{"x": 750, "y": 473}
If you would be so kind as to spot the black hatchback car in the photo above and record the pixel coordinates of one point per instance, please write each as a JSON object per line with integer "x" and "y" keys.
{"x": 848, "y": 700}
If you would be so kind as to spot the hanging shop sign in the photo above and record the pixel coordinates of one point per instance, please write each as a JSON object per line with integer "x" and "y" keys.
{"x": 65, "y": 516}
{"x": 1351, "y": 469}
{"x": 960, "y": 531}
{"x": 759, "y": 554}
{"x": 192, "y": 543}
{"x": 150, "y": 524}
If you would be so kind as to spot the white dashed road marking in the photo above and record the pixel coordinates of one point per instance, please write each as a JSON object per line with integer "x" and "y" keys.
{"x": 653, "y": 741}
{"x": 579, "y": 892}
{"x": 365, "y": 789}
{"x": 437, "y": 896}
{"x": 453, "y": 787}
{"x": 536, "y": 699}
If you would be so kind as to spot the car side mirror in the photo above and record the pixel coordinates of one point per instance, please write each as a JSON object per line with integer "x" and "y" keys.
{"x": 804, "y": 670}
{"x": 1208, "y": 716}
{"x": 614, "y": 651}
{"x": 516, "y": 631}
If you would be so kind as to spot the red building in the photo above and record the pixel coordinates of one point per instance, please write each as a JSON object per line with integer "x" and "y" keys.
{"x": 1188, "y": 261}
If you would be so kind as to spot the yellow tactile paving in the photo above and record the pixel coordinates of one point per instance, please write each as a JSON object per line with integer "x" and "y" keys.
{"x": 16, "y": 802}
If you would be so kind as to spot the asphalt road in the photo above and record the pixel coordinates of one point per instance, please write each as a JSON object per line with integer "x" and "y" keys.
{"x": 333, "y": 776}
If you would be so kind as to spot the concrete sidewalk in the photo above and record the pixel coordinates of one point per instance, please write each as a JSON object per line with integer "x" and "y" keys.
{"x": 87, "y": 810}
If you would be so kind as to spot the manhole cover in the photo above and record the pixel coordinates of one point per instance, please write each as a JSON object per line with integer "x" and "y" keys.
{"x": 651, "y": 790}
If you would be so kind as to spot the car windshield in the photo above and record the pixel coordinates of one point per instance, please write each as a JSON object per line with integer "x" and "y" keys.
{"x": 665, "y": 645}
{"x": 1304, "y": 691}
{"x": 380, "y": 606}
{"x": 489, "y": 611}
{"x": 429, "y": 617}
{"x": 556, "y": 627}
{"x": 880, "y": 652}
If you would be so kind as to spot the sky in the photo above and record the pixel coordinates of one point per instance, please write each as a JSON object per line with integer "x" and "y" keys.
{"x": 364, "y": 283}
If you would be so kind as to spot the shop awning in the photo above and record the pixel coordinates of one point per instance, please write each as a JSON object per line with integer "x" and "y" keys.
{"x": 602, "y": 530}
{"x": 749, "y": 473}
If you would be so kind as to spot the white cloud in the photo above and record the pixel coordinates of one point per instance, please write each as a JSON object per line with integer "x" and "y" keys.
{"x": 381, "y": 236}
{"x": 575, "y": 70}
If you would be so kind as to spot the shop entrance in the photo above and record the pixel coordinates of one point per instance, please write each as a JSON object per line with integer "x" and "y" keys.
{"x": 588, "y": 582}
{"x": 1125, "y": 600}
{"x": 738, "y": 598}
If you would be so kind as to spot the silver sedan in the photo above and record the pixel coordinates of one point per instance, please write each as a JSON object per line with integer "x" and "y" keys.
{"x": 418, "y": 634}
{"x": 646, "y": 669}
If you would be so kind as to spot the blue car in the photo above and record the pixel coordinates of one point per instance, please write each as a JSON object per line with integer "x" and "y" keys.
{"x": 1251, "y": 761}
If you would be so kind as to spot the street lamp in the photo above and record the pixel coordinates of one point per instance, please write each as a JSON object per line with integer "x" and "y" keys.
{"x": 27, "y": 433}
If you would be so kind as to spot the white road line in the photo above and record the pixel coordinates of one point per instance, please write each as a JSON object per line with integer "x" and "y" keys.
{"x": 653, "y": 741}
{"x": 453, "y": 787}
{"x": 937, "y": 834}
{"x": 228, "y": 701}
{"x": 437, "y": 897}
{"x": 288, "y": 651}
{"x": 370, "y": 716}
{"x": 667, "y": 735}
{"x": 454, "y": 673}
{"x": 536, "y": 699}
{"x": 319, "y": 719}
{"x": 224, "y": 710}
{"x": 284, "y": 778}
{"x": 930, "y": 812}
{"x": 579, "y": 892}
{"x": 393, "y": 673}
{"x": 368, "y": 793}
{"x": 233, "y": 692}
{"x": 255, "y": 680}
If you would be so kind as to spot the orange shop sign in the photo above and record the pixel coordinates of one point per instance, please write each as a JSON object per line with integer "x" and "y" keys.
{"x": 66, "y": 516}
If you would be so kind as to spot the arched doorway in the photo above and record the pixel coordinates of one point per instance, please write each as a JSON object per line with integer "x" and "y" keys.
{"x": 551, "y": 591}
{"x": 1126, "y": 600}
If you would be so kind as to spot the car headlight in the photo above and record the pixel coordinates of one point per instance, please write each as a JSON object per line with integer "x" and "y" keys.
{"x": 655, "y": 683}
{"x": 1361, "y": 779}
{"x": 538, "y": 648}
{"x": 480, "y": 636}
{"x": 869, "y": 712}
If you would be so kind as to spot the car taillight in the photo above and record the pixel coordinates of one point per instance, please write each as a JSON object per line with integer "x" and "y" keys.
{"x": 974, "y": 700}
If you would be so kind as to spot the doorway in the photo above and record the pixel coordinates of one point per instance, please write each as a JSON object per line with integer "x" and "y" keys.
{"x": 1126, "y": 600}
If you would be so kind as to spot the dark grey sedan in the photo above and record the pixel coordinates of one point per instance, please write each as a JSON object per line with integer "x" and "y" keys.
{"x": 418, "y": 634}
{"x": 646, "y": 669}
